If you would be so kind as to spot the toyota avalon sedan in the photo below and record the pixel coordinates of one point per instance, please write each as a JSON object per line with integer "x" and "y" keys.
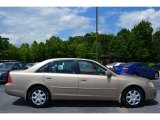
{"x": 77, "y": 79}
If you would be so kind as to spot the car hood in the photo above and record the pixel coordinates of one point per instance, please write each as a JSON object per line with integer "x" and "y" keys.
{"x": 132, "y": 78}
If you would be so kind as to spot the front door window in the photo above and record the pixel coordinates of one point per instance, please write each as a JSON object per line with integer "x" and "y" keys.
{"x": 86, "y": 67}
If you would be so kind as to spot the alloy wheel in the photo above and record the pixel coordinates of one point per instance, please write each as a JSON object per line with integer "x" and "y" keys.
{"x": 38, "y": 97}
{"x": 133, "y": 97}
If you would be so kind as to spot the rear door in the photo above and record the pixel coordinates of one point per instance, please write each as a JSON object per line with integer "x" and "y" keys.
{"x": 61, "y": 78}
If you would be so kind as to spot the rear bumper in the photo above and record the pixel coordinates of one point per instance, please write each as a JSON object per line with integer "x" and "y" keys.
{"x": 10, "y": 89}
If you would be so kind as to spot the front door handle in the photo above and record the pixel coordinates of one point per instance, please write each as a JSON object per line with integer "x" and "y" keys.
{"x": 48, "y": 78}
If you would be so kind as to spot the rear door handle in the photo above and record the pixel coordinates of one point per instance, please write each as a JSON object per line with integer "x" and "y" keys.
{"x": 48, "y": 78}
{"x": 83, "y": 80}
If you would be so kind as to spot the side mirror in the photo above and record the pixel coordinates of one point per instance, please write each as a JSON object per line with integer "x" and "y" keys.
{"x": 108, "y": 73}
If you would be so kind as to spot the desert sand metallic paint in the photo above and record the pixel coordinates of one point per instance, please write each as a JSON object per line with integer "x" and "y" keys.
{"x": 75, "y": 86}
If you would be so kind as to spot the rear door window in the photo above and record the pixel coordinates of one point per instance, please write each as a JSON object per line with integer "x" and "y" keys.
{"x": 63, "y": 66}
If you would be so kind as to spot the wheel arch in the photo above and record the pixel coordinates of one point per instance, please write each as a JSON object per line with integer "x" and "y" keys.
{"x": 130, "y": 86}
{"x": 157, "y": 72}
{"x": 36, "y": 85}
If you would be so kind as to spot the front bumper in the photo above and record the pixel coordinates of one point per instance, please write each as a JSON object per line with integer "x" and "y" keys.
{"x": 151, "y": 93}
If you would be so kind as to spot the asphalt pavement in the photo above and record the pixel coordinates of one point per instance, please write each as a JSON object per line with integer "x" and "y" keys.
{"x": 11, "y": 104}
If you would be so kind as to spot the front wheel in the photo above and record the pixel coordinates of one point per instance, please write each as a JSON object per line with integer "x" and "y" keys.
{"x": 132, "y": 97}
{"x": 135, "y": 74}
{"x": 39, "y": 97}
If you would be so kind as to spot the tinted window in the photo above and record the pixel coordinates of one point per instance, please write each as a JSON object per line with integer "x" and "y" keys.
{"x": 6, "y": 65}
{"x": 86, "y": 67}
{"x": 18, "y": 65}
{"x": 65, "y": 66}
{"x": 141, "y": 65}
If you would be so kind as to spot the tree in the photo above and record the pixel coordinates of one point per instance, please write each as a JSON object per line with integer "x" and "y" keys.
{"x": 140, "y": 42}
{"x": 35, "y": 52}
{"x": 41, "y": 50}
{"x": 156, "y": 46}
{"x": 13, "y": 52}
{"x": 82, "y": 50}
{"x": 132, "y": 45}
{"x": 25, "y": 53}
{"x": 120, "y": 44}
{"x": 53, "y": 47}
{"x": 4, "y": 45}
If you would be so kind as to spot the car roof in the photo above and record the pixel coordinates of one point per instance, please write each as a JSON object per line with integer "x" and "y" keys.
{"x": 133, "y": 63}
{"x": 11, "y": 62}
{"x": 8, "y": 61}
{"x": 54, "y": 59}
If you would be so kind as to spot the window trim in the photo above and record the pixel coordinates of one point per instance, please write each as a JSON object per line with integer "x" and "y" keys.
{"x": 37, "y": 71}
{"x": 78, "y": 68}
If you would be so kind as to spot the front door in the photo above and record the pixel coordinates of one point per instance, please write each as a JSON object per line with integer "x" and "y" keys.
{"x": 93, "y": 83}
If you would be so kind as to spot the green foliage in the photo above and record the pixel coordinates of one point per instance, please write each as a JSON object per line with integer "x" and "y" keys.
{"x": 142, "y": 38}
{"x": 4, "y": 46}
{"x": 82, "y": 50}
{"x": 120, "y": 44}
{"x": 25, "y": 52}
{"x": 137, "y": 44}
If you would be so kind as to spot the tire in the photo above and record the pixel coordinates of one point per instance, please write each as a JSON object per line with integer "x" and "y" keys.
{"x": 39, "y": 97}
{"x": 156, "y": 76}
{"x": 132, "y": 97}
{"x": 135, "y": 74}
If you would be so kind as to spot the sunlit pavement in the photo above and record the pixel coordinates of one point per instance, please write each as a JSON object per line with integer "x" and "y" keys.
{"x": 11, "y": 104}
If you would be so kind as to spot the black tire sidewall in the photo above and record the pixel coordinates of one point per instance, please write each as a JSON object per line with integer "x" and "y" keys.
{"x": 48, "y": 98}
{"x": 124, "y": 101}
{"x": 136, "y": 74}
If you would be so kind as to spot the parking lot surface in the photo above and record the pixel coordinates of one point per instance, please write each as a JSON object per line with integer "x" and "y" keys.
{"x": 11, "y": 104}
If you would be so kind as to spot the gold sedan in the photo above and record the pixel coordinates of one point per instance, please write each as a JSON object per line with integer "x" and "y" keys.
{"x": 77, "y": 79}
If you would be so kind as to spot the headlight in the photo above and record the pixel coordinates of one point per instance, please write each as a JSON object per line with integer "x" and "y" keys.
{"x": 150, "y": 85}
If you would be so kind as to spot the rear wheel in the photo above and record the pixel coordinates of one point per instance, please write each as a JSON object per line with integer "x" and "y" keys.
{"x": 39, "y": 97}
{"x": 156, "y": 76}
{"x": 132, "y": 97}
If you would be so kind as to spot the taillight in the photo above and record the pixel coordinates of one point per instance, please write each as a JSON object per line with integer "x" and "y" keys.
{"x": 110, "y": 68}
{"x": 9, "y": 79}
{"x": 125, "y": 69}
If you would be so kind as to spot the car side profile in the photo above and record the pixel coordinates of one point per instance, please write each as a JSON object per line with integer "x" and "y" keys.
{"x": 137, "y": 68}
{"x": 77, "y": 79}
